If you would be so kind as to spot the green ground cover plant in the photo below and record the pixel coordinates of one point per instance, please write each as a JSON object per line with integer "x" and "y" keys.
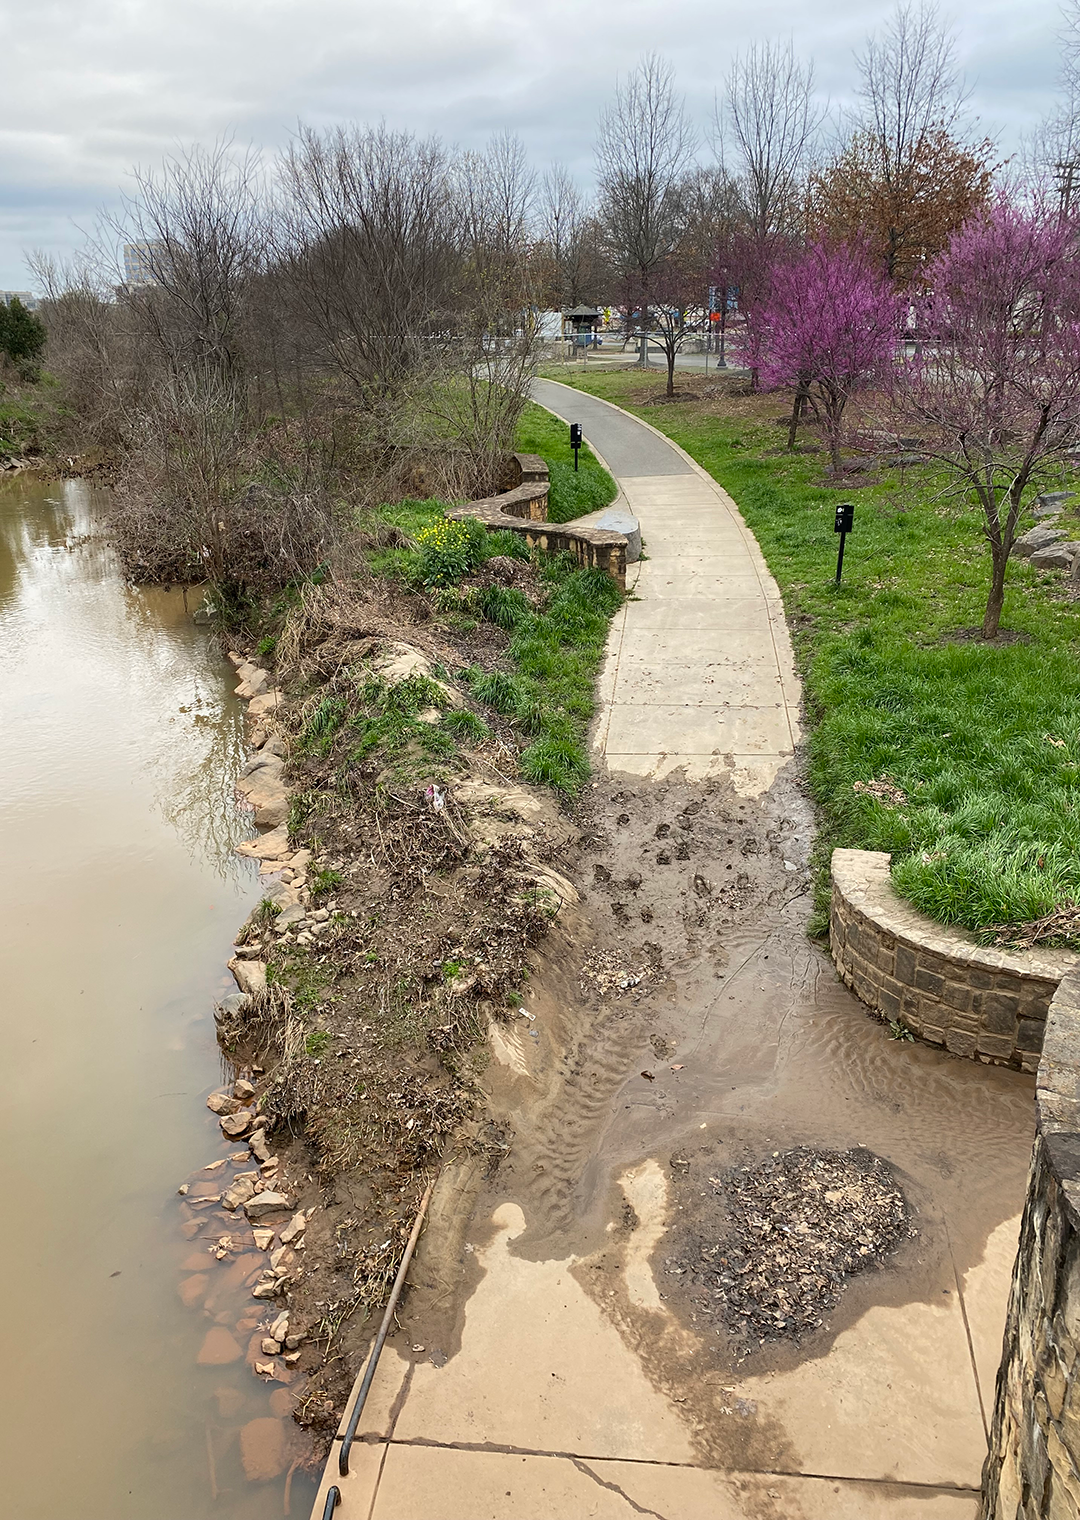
{"x": 573, "y": 493}
{"x": 960, "y": 757}
{"x": 554, "y": 650}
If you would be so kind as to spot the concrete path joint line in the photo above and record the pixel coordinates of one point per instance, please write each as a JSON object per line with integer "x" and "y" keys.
{"x": 497, "y": 1449}
{"x": 967, "y": 1332}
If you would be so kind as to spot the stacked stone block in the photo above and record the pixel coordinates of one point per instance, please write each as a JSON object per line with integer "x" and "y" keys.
{"x": 986, "y": 1004}
{"x": 1032, "y": 1470}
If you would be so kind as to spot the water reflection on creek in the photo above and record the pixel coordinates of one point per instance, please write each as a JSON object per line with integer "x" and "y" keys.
{"x": 119, "y": 898}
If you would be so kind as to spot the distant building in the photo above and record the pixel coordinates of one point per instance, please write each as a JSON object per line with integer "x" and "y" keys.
{"x": 29, "y": 300}
{"x": 140, "y": 260}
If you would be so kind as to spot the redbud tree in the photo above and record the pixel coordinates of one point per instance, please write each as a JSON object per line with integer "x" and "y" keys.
{"x": 828, "y": 326}
{"x": 994, "y": 390}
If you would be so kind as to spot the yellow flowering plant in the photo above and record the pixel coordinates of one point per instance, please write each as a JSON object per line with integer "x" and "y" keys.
{"x": 449, "y": 550}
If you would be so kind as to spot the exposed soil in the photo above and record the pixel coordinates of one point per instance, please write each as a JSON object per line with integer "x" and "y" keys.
{"x": 678, "y": 1012}
{"x": 430, "y": 881}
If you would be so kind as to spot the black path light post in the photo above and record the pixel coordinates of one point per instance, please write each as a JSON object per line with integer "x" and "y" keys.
{"x": 575, "y": 440}
{"x": 845, "y": 521}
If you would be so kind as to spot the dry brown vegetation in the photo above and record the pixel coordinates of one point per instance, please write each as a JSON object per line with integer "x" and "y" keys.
{"x": 438, "y": 875}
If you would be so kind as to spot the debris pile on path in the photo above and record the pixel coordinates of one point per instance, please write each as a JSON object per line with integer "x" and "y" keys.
{"x": 611, "y": 973}
{"x": 800, "y": 1224}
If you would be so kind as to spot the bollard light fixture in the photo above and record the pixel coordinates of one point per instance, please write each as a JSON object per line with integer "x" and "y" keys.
{"x": 845, "y": 522}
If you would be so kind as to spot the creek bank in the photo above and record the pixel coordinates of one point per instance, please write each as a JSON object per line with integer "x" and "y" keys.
{"x": 401, "y": 898}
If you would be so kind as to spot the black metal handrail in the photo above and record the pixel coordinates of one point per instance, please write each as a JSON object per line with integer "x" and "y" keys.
{"x": 376, "y": 1350}
{"x": 333, "y": 1499}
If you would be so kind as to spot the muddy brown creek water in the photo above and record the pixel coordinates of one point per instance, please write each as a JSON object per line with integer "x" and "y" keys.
{"x": 119, "y": 899}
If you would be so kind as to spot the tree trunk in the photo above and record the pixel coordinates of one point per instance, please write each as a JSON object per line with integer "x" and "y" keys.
{"x": 671, "y": 372}
{"x": 802, "y": 393}
{"x": 995, "y": 601}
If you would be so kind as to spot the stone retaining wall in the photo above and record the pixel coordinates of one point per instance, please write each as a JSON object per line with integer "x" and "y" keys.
{"x": 989, "y": 1005}
{"x": 523, "y": 509}
{"x": 1032, "y": 1470}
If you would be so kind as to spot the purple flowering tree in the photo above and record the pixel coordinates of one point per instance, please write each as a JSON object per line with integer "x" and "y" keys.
{"x": 828, "y": 326}
{"x": 995, "y": 389}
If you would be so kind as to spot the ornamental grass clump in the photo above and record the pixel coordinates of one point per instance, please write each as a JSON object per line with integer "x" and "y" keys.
{"x": 449, "y": 550}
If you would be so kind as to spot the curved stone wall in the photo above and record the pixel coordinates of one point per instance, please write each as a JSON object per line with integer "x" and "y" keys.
{"x": 523, "y": 509}
{"x": 1033, "y": 1467}
{"x": 989, "y": 1005}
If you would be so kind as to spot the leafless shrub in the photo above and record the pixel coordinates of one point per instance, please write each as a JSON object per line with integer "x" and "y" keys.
{"x": 197, "y": 500}
{"x": 369, "y": 237}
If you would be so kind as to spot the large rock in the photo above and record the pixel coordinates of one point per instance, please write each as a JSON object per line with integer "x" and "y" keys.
{"x": 192, "y": 1290}
{"x": 294, "y": 1229}
{"x": 267, "y": 1203}
{"x": 253, "y": 685}
{"x": 239, "y": 1191}
{"x": 221, "y": 1103}
{"x": 263, "y": 1449}
{"x": 219, "y": 1348}
{"x": 270, "y": 803}
{"x": 250, "y": 976}
{"x": 268, "y": 702}
{"x": 265, "y": 762}
{"x": 398, "y": 662}
{"x": 236, "y": 1126}
{"x": 272, "y": 846}
{"x": 1034, "y": 539}
{"x": 1056, "y": 557}
{"x": 233, "y": 1004}
{"x": 1052, "y": 502}
{"x": 270, "y": 1287}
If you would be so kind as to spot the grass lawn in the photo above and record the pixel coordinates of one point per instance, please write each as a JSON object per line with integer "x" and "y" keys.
{"x": 573, "y": 493}
{"x": 976, "y": 748}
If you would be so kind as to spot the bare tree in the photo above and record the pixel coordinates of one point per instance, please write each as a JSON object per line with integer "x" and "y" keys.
{"x": 911, "y": 84}
{"x": 774, "y": 121}
{"x": 370, "y": 232}
{"x": 509, "y": 185}
{"x": 1052, "y": 153}
{"x": 712, "y": 215}
{"x": 643, "y": 151}
{"x": 198, "y": 225}
{"x": 906, "y": 177}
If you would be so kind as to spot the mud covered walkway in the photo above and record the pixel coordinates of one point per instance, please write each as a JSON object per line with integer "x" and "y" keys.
{"x": 582, "y": 1337}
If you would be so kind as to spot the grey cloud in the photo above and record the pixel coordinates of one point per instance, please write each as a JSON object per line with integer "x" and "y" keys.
{"x": 94, "y": 86}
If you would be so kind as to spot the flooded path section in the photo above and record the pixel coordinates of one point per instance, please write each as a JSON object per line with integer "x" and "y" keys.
{"x": 119, "y": 899}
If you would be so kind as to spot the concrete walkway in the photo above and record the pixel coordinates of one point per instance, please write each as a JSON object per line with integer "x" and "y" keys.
{"x": 699, "y": 674}
{"x": 569, "y": 1388}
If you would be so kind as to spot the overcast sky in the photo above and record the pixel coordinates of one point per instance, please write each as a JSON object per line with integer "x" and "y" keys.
{"x": 90, "y": 87}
